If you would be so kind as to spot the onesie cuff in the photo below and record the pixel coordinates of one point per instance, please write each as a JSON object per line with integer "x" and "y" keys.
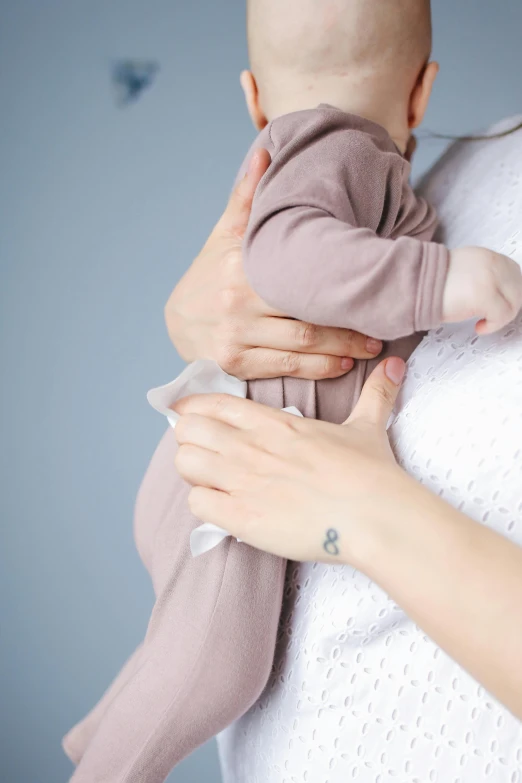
{"x": 432, "y": 281}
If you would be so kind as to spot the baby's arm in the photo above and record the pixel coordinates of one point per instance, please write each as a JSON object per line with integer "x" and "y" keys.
{"x": 306, "y": 256}
{"x": 480, "y": 283}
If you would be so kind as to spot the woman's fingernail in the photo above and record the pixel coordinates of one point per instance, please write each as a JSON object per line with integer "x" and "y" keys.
{"x": 347, "y": 364}
{"x": 395, "y": 370}
{"x": 373, "y": 346}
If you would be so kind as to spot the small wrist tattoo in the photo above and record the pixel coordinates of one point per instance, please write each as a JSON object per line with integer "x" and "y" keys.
{"x": 330, "y": 545}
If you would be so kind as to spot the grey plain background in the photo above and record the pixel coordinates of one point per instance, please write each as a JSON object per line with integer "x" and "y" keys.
{"x": 101, "y": 210}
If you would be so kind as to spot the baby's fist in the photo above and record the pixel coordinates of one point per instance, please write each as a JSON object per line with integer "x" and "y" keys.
{"x": 482, "y": 284}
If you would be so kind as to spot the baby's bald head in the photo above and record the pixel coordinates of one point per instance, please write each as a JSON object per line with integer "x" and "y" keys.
{"x": 360, "y": 41}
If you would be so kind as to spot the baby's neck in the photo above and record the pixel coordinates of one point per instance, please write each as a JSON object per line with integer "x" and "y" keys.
{"x": 382, "y": 109}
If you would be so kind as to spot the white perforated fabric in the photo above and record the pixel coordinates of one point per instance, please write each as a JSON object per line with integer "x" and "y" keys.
{"x": 358, "y": 692}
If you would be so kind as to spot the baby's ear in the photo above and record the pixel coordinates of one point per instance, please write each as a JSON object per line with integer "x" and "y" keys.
{"x": 249, "y": 85}
{"x": 421, "y": 94}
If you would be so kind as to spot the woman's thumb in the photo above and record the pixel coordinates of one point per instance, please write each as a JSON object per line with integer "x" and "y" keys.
{"x": 237, "y": 213}
{"x": 379, "y": 394}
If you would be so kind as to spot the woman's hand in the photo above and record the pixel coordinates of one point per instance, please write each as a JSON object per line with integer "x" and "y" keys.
{"x": 307, "y": 490}
{"x": 299, "y": 488}
{"x": 214, "y": 314}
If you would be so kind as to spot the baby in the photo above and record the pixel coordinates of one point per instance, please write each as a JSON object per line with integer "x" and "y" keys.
{"x": 336, "y": 237}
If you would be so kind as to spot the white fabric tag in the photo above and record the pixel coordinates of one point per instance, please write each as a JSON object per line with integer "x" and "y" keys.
{"x": 201, "y": 377}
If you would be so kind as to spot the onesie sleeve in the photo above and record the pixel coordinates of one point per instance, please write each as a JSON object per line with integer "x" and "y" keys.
{"x": 312, "y": 248}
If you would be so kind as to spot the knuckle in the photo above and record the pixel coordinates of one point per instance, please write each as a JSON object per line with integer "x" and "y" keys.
{"x": 330, "y": 366}
{"x": 385, "y": 396}
{"x": 230, "y": 299}
{"x": 290, "y": 363}
{"x": 288, "y": 428}
{"x": 230, "y": 359}
{"x": 231, "y": 262}
{"x": 220, "y": 403}
{"x": 349, "y": 340}
{"x": 306, "y": 335}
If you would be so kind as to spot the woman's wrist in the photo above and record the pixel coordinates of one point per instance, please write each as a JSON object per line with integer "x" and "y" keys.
{"x": 426, "y": 554}
{"x": 389, "y": 512}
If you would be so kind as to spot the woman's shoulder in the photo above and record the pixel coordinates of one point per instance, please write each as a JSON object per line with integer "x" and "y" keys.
{"x": 475, "y": 186}
{"x": 490, "y": 142}
{"x": 463, "y": 155}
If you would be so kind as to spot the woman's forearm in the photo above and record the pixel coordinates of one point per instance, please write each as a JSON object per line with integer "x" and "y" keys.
{"x": 458, "y": 580}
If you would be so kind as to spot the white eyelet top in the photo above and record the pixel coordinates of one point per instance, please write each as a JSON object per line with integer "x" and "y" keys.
{"x": 358, "y": 692}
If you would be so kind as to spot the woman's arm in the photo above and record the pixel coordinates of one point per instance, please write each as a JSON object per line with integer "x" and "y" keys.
{"x": 308, "y": 490}
{"x": 214, "y": 314}
{"x": 460, "y": 581}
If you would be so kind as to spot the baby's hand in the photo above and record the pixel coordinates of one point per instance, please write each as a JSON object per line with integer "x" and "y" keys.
{"x": 482, "y": 284}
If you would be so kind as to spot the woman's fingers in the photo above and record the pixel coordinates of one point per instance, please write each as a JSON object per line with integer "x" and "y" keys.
{"x": 380, "y": 393}
{"x": 198, "y": 430}
{"x": 236, "y": 215}
{"x": 235, "y": 411}
{"x": 205, "y": 468}
{"x": 285, "y": 334}
{"x": 258, "y": 363}
{"x": 217, "y": 508}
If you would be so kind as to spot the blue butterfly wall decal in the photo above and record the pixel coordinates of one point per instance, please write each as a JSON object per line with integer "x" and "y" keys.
{"x": 132, "y": 77}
